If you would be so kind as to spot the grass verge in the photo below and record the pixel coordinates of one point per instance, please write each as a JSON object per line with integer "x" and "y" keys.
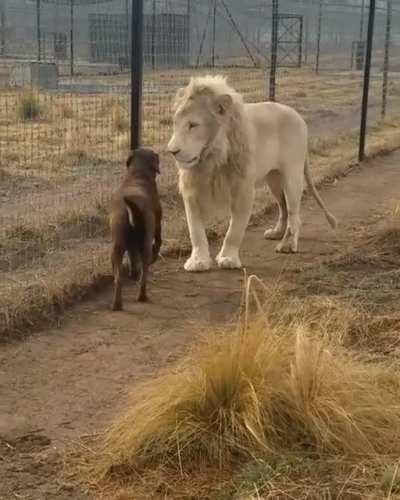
{"x": 276, "y": 408}
{"x": 329, "y": 158}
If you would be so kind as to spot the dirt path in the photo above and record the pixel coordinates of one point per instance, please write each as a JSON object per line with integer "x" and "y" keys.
{"x": 69, "y": 381}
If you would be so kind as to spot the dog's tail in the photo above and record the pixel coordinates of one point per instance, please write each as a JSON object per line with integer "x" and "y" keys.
{"x": 331, "y": 218}
{"x": 136, "y": 208}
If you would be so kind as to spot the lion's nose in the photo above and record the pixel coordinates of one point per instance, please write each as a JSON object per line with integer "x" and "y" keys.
{"x": 174, "y": 151}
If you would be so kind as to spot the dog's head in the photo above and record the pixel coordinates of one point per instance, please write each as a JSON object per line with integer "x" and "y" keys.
{"x": 144, "y": 160}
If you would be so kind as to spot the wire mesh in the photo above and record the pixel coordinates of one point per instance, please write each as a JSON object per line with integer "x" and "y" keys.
{"x": 65, "y": 100}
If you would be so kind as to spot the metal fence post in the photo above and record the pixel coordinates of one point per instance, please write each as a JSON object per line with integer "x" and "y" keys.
{"x": 136, "y": 72}
{"x": 307, "y": 30}
{"x": 386, "y": 59}
{"x": 2, "y": 29}
{"x": 318, "y": 36}
{"x": 127, "y": 32}
{"x": 38, "y": 30}
{"x": 362, "y": 21}
{"x": 274, "y": 49}
{"x": 71, "y": 41}
{"x": 367, "y": 72}
{"x": 213, "y": 34}
{"x": 189, "y": 19}
{"x": 301, "y": 43}
{"x": 153, "y": 35}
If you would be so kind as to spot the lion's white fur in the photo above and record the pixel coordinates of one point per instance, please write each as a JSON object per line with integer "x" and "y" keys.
{"x": 234, "y": 147}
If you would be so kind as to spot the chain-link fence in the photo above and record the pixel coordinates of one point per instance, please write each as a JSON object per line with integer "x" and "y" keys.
{"x": 65, "y": 100}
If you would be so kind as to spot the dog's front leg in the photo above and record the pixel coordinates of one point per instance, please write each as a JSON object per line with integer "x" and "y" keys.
{"x": 241, "y": 208}
{"x": 200, "y": 258}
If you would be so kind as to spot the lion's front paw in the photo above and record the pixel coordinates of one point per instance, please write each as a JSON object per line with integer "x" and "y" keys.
{"x": 228, "y": 261}
{"x": 197, "y": 264}
{"x": 274, "y": 234}
{"x": 287, "y": 247}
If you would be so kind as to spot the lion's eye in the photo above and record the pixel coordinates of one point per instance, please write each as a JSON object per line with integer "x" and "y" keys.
{"x": 193, "y": 125}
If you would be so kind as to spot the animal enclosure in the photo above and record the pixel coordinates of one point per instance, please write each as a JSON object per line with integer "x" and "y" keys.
{"x": 62, "y": 148}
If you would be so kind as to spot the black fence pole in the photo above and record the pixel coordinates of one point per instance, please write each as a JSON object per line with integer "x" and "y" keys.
{"x": 136, "y": 72}
{"x": 367, "y": 72}
{"x": 307, "y": 36}
{"x": 386, "y": 59}
{"x": 153, "y": 34}
{"x": 274, "y": 50}
{"x": 2, "y": 29}
{"x": 318, "y": 37}
{"x": 127, "y": 32}
{"x": 189, "y": 22}
{"x": 214, "y": 27}
{"x": 362, "y": 21}
{"x": 71, "y": 41}
{"x": 38, "y": 30}
{"x": 301, "y": 43}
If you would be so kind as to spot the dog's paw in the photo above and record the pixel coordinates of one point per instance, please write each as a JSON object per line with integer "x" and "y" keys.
{"x": 143, "y": 298}
{"x": 228, "y": 261}
{"x": 273, "y": 234}
{"x": 286, "y": 247}
{"x": 197, "y": 264}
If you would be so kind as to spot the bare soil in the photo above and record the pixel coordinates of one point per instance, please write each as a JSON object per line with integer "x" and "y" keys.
{"x": 68, "y": 381}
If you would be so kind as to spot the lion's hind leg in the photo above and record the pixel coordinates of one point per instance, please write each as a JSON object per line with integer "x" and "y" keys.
{"x": 293, "y": 190}
{"x": 274, "y": 181}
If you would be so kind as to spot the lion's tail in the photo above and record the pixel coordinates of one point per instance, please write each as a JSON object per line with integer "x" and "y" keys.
{"x": 331, "y": 219}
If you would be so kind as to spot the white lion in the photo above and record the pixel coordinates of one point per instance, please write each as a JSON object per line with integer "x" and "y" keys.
{"x": 223, "y": 150}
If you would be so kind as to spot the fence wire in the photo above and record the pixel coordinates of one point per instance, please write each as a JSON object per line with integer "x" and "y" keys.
{"x": 65, "y": 99}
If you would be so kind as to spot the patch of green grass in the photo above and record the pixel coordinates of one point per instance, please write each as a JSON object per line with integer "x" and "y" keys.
{"x": 253, "y": 480}
{"x": 29, "y": 107}
{"x": 390, "y": 481}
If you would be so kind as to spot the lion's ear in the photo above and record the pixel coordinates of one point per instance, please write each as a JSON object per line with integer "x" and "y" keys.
{"x": 223, "y": 104}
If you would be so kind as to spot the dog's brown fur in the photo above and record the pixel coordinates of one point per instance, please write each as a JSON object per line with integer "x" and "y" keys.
{"x": 135, "y": 221}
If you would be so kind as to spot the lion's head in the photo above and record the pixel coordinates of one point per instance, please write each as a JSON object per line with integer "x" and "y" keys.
{"x": 205, "y": 112}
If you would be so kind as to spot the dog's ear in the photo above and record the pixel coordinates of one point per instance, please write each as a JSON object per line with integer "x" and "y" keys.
{"x": 130, "y": 158}
{"x": 223, "y": 104}
{"x": 156, "y": 163}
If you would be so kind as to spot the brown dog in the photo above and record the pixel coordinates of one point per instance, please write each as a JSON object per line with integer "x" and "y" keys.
{"x": 135, "y": 221}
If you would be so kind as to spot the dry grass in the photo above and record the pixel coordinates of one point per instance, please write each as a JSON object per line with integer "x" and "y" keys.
{"x": 102, "y": 119}
{"x": 32, "y": 299}
{"x": 279, "y": 392}
{"x": 43, "y": 235}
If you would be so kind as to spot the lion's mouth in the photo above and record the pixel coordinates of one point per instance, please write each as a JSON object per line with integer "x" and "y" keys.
{"x": 188, "y": 163}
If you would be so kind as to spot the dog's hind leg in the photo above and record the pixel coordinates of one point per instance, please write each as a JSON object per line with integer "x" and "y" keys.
{"x": 116, "y": 261}
{"x": 157, "y": 237}
{"x": 134, "y": 271}
{"x": 147, "y": 257}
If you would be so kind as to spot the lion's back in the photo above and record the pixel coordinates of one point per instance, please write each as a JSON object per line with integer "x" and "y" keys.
{"x": 279, "y": 134}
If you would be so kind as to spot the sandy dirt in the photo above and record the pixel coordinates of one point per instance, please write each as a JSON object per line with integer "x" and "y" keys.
{"x": 68, "y": 381}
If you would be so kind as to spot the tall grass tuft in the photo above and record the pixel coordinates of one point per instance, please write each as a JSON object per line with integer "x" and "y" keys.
{"x": 267, "y": 388}
{"x": 29, "y": 107}
{"x": 119, "y": 118}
